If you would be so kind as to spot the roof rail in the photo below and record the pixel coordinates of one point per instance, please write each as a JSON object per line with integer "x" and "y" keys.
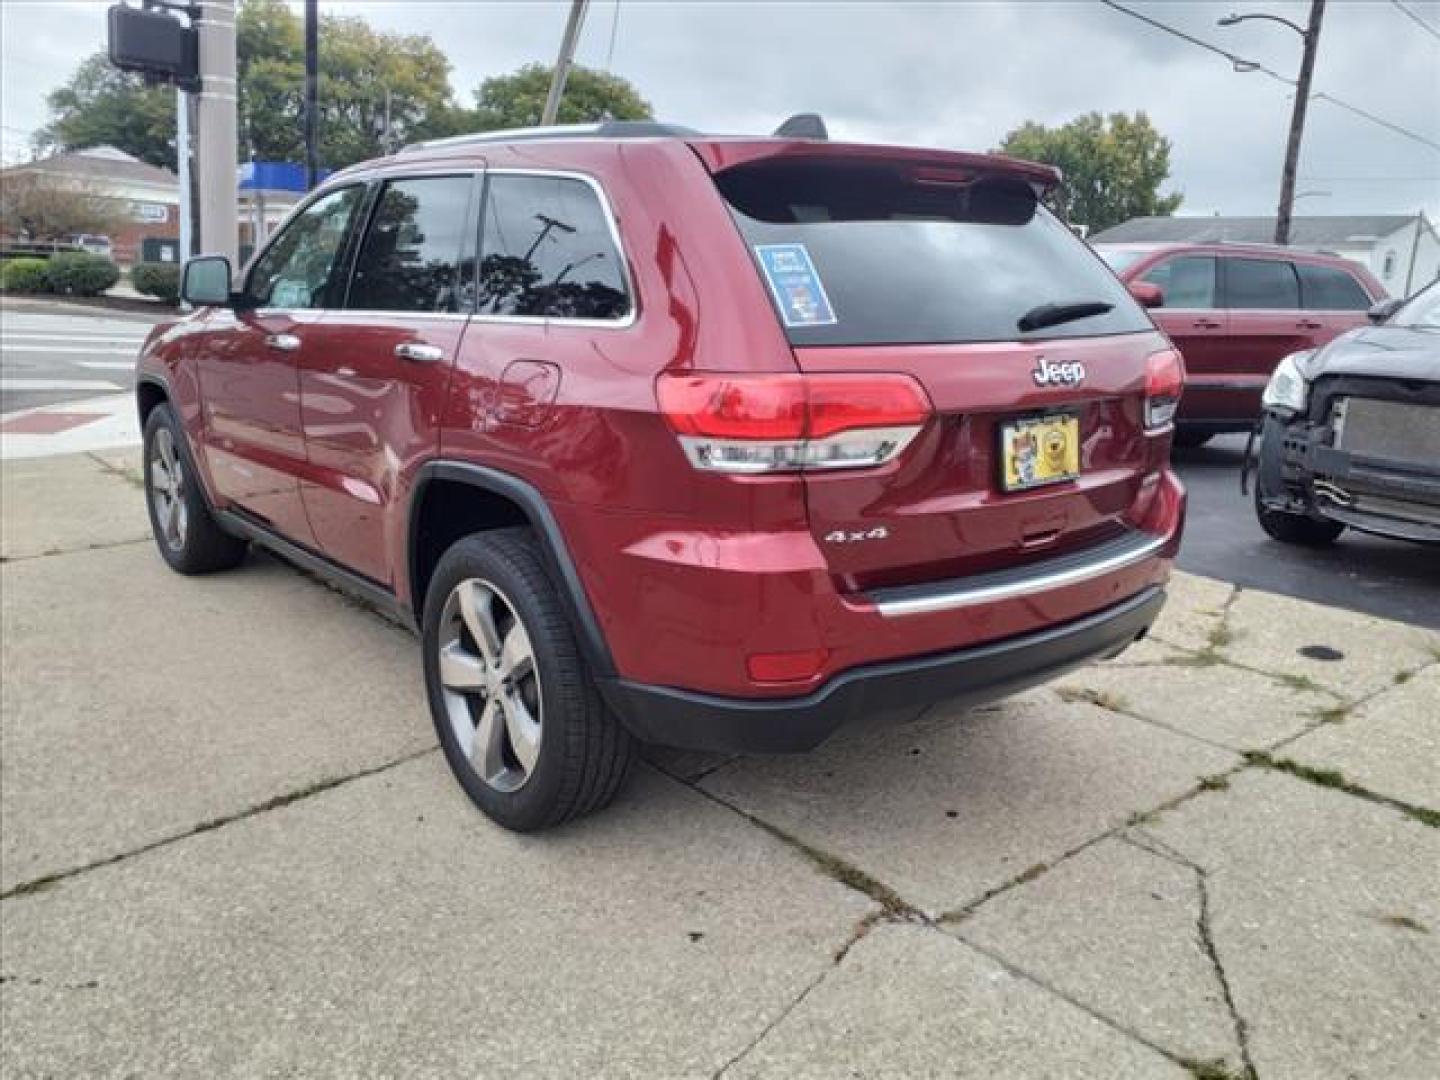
{"x": 604, "y": 129}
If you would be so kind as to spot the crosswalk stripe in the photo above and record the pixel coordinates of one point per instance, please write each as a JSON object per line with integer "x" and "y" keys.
{"x": 95, "y": 386}
{"x": 88, "y": 350}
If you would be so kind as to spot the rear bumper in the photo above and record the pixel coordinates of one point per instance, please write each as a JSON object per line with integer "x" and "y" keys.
{"x": 972, "y": 675}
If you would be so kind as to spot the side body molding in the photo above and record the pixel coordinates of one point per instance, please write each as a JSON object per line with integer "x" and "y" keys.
{"x": 553, "y": 547}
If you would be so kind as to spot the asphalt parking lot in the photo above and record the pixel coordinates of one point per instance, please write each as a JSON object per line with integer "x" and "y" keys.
{"x": 229, "y": 848}
{"x": 1389, "y": 578}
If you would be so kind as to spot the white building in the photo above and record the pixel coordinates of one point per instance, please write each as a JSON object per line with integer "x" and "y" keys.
{"x": 1403, "y": 251}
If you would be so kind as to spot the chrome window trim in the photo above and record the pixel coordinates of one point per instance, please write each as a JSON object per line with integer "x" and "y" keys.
{"x": 401, "y": 172}
{"x": 1042, "y": 581}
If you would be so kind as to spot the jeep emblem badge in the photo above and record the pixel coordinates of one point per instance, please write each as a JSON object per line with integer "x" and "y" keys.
{"x": 1049, "y": 373}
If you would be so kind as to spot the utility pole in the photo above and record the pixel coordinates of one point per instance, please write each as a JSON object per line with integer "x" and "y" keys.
{"x": 563, "y": 62}
{"x": 215, "y": 128}
{"x": 1297, "y": 124}
{"x": 312, "y": 93}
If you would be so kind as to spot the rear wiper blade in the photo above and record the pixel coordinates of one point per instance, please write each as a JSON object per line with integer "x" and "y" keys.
{"x": 1044, "y": 315}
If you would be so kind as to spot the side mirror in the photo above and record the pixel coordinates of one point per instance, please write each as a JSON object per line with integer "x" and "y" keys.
{"x": 1378, "y": 313}
{"x": 1148, "y": 295}
{"x": 206, "y": 281}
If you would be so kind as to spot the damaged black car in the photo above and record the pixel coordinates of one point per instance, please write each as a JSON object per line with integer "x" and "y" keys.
{"x": 1350, "y": 435}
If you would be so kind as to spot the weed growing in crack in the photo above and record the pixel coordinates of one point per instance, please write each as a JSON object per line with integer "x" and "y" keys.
{"x": 1103, "y": 698}
{"x": 1214, "y": 783}
{"x": 1212, "y": 1070}
{"x": 1334, "y": 778}
{"x": 1334, "y": 714}
{"x": 1404, "y": 922}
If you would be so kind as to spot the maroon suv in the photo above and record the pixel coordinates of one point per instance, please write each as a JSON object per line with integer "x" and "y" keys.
{"x": 708, "y": 442}
{"x": 1234, "y": 311}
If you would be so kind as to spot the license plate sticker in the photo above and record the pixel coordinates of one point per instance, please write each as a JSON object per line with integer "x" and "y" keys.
{"x": 1039, "y": 450}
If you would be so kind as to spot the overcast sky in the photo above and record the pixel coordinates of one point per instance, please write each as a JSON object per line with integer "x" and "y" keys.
{"x": 957, "y": 74}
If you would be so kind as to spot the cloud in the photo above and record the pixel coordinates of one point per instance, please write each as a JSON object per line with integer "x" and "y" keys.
{"x": 947, "y": 74}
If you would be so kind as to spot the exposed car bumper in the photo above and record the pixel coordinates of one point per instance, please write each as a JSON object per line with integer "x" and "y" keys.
{"x": 1301, "y": 472}
{"x": 967, "y": 676}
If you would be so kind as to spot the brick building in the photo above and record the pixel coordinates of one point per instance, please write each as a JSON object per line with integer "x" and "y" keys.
{"x": 148, "y": 197}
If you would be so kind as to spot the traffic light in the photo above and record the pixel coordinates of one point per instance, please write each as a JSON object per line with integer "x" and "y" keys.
{"x": 154, "y": 44}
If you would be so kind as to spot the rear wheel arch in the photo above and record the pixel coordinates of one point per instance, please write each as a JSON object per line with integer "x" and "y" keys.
{"x": 452, "y": 499}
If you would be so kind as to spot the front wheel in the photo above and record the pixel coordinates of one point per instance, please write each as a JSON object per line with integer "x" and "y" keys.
{"x": 187, "y": 534}
{"x": 518, "y": 716}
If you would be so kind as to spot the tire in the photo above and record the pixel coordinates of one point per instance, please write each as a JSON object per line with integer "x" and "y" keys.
{"x": 187, "y": 534}
{"x": 1296, "y": 528}
{"x": 1190, "y": 438}
{"x": 519, "y": 718}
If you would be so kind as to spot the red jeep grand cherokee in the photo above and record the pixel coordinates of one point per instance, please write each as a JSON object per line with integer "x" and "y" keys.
{"x": 709, "y": 442}
{"x": 1233, "y": 311}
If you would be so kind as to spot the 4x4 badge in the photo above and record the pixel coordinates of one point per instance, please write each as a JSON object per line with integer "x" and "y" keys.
{"x": 1049, "y": 373}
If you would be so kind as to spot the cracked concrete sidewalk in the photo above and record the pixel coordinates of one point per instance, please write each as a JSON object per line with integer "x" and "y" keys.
{"x": 229, "y": 848}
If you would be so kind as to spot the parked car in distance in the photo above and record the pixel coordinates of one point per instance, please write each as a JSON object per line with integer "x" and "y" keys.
{"x": 1233, "y": 310}
{"x": 93, "y": 244}
{"x": 715, "y": 442}
{"x": 1351, "y": 434}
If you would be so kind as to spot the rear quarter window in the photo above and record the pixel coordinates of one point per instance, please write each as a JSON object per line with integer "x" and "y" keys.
{"x": 905, "y": 259}
{"x": 1329, "y": 288}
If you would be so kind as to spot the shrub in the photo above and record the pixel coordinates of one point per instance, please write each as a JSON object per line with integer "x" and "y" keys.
{"x": 78, "y": 273}
{"x": 157, "y": 279}
{"x": 24, "y": 276}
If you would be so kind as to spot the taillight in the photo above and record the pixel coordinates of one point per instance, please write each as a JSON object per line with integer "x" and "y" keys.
{"x": 785, "y": 423}
{"x": 1164, "y": 382}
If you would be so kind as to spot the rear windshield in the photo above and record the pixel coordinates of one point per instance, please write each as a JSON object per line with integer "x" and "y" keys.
{"x": 867, "y": 254}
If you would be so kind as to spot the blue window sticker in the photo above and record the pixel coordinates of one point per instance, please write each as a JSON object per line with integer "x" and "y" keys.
{"x": 795, "y": 284}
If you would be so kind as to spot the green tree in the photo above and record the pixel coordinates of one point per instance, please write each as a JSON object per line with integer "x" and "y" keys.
{"x": 1114, "y": 166}
{"x": 358, "y": 65}
{"x": 517, "y": 100}
{"x": 103, "y": 106}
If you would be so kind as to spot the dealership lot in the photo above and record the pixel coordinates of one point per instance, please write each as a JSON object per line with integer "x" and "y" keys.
{"x": 230, "y": 848}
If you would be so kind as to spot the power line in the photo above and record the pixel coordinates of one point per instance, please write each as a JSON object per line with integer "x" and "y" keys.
{"x": 1240, "y": 63}
{"x": 1416, "y": 19}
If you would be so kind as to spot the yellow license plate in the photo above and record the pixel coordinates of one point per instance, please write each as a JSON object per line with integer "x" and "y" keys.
{"x": 1038, "y": 451}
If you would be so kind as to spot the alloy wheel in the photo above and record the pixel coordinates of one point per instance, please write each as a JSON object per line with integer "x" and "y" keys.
{"x": 491, "y": 684}
{"x": 167, "y": 490}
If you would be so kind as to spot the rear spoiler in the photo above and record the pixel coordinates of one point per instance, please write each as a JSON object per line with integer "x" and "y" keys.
{"x": 719, "y": 155}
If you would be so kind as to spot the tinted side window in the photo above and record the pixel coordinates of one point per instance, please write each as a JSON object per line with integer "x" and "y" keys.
{"x": 1328, "y": 288}
{"x": 1188, "y": 281}
{"x": 546, "y": 251}
{"x": 1261, "y": 283}
{"x": 298, "y": 269}
{"x": 410, "y": 257}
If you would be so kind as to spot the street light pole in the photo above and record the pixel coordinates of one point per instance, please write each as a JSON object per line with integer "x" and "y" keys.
{"x": 1297, "y": 125}
{"x": 215, "y": 128}
{"x": 1311, "y": 37}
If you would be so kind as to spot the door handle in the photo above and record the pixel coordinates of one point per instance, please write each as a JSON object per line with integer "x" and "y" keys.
{"x": 283, "y": 342}
{"x": 1205, "y": 324}
{"x": 1309, "y": 324}
{"x": 418, "y": 353}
